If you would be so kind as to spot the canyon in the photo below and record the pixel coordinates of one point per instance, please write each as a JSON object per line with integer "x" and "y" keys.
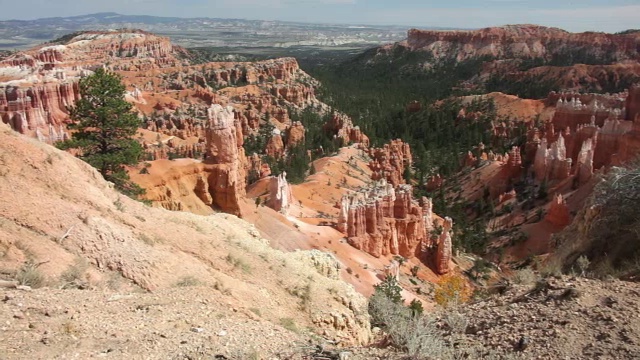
{"x": 196, "y": 122}
{"x": 227, "y": 210}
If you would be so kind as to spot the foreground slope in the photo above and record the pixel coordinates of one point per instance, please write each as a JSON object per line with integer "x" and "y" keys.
{"x": 61, "y": 220}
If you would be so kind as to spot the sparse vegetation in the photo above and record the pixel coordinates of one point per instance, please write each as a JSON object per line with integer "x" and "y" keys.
{"x": 239, "y": 263}
{"x": 583, "y": 264}
{"x": 289, "y": 324}
{"x": 187, "y": 281}
{"x": 524, "y": 276}
{"x": 150, "y": 240}
{"x": 73, "y": 276}
{"x": 30, "y": 275}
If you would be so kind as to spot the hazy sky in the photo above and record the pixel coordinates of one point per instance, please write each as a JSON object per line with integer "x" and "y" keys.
{"x": 607, "y": 15}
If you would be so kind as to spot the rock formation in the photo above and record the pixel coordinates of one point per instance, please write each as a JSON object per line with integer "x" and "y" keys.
{"x": 526, "y": 41}
{"x": 552, "y": 163}
{"x": 40, "y": 107}
{"x": 558, "y": 213}
{"x": 225, "y": 159}
{"x": 385, "y": 220}
{"x": 275, "y": 145}
{"x": 584, "y": 170}
{"x": 390, "y": 161}
{"x": 434, "y": 182}
{"x": 630, "y": 142}
{"x": 443, "y": 257}
{"x": 295, "y": 134}
{"x": 595, "y": 132}
{"x": 633, "y": 102}
{"x": 341, "y": 126}
{"x": 280, "y": 195}
{"x": 510, "y": 172}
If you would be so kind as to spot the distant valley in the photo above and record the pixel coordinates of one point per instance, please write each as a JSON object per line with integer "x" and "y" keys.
{"x": 200, "y": 32}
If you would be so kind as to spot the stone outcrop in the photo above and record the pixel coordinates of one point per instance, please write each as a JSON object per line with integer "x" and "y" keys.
{"x": 630, "y": 142}
{"x": 295, "y": 134}
{"x": 384, "y": 220}
{"x": 391, "y": 161}
{"x": 510, "y": 171}
{"x": 280, "y": 195}
{"x": 558, "y": 213}
{"x": 341, "y": 126}
{"x": 275, "y": 145}
{"x": 584, "y": 169}
{"x": 595, "y": 132}
{"x": 38, "y": 108}
{"x": 444, "y": 253}
{"x": 325, "y": 263}
{"x": 552, "y": 163}
{"x": 608, "y": 141}
{"x": 434, "y": 182}
{"x": 574, "y": 109}
{"x": 633, "y": 102}
{"x": 224, "y": 159}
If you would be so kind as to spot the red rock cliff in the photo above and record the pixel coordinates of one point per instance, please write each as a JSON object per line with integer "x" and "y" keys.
{"x": 521, "y": 41}
{"x": 384, "y": 220}
{"x": 29, "y": 109}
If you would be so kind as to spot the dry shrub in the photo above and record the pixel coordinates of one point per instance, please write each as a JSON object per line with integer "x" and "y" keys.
{"x": 187, "y": 281}
{"x": 524, "y": 276}
{"x": 30, "y": 275}
{"x": 452, "y": 290}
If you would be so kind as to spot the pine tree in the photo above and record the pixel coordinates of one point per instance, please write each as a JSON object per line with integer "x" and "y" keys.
{"x": 390, "y": 288}
{"x": 105, "y": 126}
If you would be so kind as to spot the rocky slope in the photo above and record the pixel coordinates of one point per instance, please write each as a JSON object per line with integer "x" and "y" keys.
{"x": 565, "y": 318}
{"x": 84, "y": 234}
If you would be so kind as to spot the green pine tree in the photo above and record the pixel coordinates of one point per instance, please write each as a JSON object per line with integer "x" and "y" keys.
{"x": 390, "y": 288}
{"x": 105, "y": 126}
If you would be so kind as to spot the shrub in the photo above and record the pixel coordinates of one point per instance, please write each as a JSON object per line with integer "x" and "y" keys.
{"x": 416, "y": 335}
{"x": 583, "y": 264}
{"x": 452, "y": 290}
{"x": 524, "y": 276}
{"x": 390, "y": 288}
{"x": 415, "y": 270}
{"x": 289, "y": 324}
{"x": 187, "y": 281}
{"x": 29, "y": 275}
{"x": 416, "y": 308}
{"x": 73, "y": 275}
{"x": 238, "y": 262}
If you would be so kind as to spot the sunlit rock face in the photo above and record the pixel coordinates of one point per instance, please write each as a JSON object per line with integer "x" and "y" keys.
{"x": 225, "y": 160}
{"x": 280, "y": 195}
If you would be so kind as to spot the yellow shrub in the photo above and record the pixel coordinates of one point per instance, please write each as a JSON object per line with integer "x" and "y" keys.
{"x": 453, "y": 289}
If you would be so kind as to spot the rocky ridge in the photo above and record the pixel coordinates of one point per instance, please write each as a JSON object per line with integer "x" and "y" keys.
{"x": 513, "y": 41}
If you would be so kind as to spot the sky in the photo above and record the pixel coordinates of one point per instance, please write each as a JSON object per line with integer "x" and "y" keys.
{"x": 584, "y": 15}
